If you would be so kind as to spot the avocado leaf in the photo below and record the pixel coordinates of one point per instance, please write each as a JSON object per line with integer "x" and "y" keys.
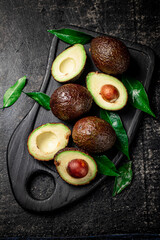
{"x": 41, "y": 98}
{"x": 71, "y": 36}
{"x": 105, "y": 166}
{"x": 124, "y": 179}
{"x": 14, "y": 92}
{"x": 115, "y": 121}
{"x": 137, "y": 95}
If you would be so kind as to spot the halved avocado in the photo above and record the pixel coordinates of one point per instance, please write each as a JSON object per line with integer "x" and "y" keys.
{"x": 46, "y": 140}
{"x": 69, "y": 64}
{"x": 75, "y": 166}
{"x": 107, "y": 91}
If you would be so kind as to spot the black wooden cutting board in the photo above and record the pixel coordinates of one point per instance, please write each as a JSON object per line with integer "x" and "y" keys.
{"x": 23, "y": 168}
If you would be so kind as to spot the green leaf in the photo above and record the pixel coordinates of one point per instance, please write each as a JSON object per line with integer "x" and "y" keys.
{"x": 124, "y": 179}
{"x": 137, "y": 95}
{"x": 105, "y": 166}
{"x": 14, "y": 92}
{"x": 71, "y": 36}
{"x": 115, "y": 121}
{"x": 41, "y": 98}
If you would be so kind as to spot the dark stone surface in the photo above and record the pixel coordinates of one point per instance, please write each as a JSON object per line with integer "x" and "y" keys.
{"x": 24, "y": 51}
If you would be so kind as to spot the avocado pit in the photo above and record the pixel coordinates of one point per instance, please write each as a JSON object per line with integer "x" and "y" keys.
{"x": 109, "y": 93}
{"x": 77, "y": 168}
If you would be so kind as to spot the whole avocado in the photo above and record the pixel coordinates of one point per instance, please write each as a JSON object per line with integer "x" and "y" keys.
{"x": 110, "y": 55}
{"x": 93, "y": 134}
{"x": 70, "y": 101}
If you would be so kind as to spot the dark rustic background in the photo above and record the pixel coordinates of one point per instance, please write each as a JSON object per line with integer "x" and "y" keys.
{"x": 24, "y": 51}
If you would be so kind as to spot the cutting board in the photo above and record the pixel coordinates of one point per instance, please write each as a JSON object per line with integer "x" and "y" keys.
{"x": 27, "y": 175}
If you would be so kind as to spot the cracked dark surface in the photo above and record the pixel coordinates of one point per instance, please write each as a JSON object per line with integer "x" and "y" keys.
{"x": 24, "y": 51}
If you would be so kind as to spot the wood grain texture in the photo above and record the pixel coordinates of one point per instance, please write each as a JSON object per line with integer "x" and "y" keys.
{"x": 24, "y": 50}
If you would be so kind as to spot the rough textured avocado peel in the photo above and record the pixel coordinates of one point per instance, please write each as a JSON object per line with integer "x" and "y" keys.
{"x": 110, "y": 55}
{"x": 93, "y": 134}
{"x": 70, "y": 101}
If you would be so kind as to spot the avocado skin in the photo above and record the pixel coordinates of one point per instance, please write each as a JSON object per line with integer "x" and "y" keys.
{"x": 110, "y": 55}
{"x": 70, "y": 101}
{"x": 93, "y": 134}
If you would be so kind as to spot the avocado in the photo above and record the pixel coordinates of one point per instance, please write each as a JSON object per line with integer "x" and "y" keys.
{"x": 69, "y": 64}
{"x": 75, "y": 166}
{"x": 93, "y": 134}
{"x": 107, "y": 91}
{"x": 70, "y": 101}
{"x": 46, "y": 140}
{"x": 110, "y": 55}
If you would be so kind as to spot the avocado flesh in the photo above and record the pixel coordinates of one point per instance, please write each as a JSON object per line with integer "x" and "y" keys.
{"x": 69, "y": 64}
{"x": 95, "y": 81}
{"x": 46, "y": 140}
{"x": 64, "y": 156}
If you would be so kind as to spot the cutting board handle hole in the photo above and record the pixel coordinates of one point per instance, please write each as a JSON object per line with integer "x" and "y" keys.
{"x": 36, "y": 185}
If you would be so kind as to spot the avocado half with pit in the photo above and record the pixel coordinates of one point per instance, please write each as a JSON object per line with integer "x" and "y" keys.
{"x": 69, "y": 64}
{"x": 75, "y": 166}
{"x": 107, "y": 91}
{"x": 46, "y": 140}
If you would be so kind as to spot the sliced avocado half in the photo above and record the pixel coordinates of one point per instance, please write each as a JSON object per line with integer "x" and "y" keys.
{"x": 69, "y": 64}
{"x": 75, "y": 166}
{"x": 46, "y": 140}
{"x": 107, "y": 91}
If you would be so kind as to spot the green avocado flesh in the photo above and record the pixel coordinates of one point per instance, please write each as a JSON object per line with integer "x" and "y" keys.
{"x": 95, "y": 81}
{"x": 62, "y": 159}
{"x": 46, "y": 140}
{"x": 69, "y": 64}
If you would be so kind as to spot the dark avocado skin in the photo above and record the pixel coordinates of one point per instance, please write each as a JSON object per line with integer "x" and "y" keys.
{"x": 93, "y": 134}
{"x": 70, "y": 101}
{"x": 110, "y": 55}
